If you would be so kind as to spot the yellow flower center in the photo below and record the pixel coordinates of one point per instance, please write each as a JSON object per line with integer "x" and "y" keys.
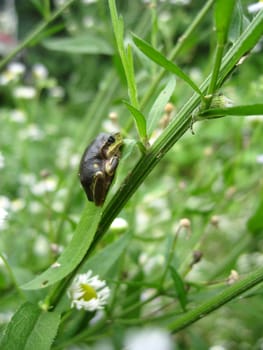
{"x": 88, "y": 292}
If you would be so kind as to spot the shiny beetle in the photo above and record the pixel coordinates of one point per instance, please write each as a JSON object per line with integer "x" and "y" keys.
{"x": 98, "y": 165}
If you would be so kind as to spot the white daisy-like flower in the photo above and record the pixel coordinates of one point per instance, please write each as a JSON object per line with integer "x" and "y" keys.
{"x": 88, "y": 292}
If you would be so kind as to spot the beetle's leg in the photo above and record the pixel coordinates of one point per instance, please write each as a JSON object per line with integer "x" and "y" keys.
{"x": 98, "y": 188}
{"x": 111, "y": 165}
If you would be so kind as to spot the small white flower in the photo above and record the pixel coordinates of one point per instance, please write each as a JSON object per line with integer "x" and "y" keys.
{"x": 27, "y": 179}
{"x": 88, "y": 2}
{"x": 3, "y": 216}
{"x": 24, "y": 92}
{"x": 31, "y": 132}
{"x": 17, "y": 204}
{"x": 57, "y": 92}
{"x": 259, "y": 159}
{"x": 2, "y": 161}
{"x": 148, "y": 338}
{"x": 39, "y": 71}
{"x": 16, "y": 68}
{"x": 88, "y": 292}
{"x": 5, "y": 202}
{"x": 119, "y": 224}
{"x": 255, "y": 7}
{"x": 17, "y": 116}
{"x": 12, "y": 73}
{"x": 46, "y": 185}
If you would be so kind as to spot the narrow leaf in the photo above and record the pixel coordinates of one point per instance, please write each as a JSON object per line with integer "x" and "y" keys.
{"x": 238, "y": 24}
{"x": 179, "y": 287}
{"x": 255, "y": 222}
{"x": 223, "y": 16}
{"x": 82, "y": 44}
{"x": 130, "y": 76}
{"x": 44, "y": 331}
{"x": 20, "y": 327}
{"x": 246, "y": 110}
{"x": 158, "y": 106}
{"x": 139, "y": 119}
{"x": 74, "y": 252}
{"x": 160, "y": 59}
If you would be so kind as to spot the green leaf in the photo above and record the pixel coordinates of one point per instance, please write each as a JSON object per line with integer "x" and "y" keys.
{"x": 242, "y": 46}
{"x": 238, "y": 24}
{"x": 20, "y": 327}
{"x": 103, "y": 261}
{"x": 160, "y": 59}
{"x": 158, "y": 106}
{"x": 82, "y": 44}
{"x": 44, "y": 331}
{"x": 223, "y": 15}
{"x": 30, "y": 328}
{"x": 74, "y": 252}
{"x": 179, "y": 287}
{"x": 139, "y": 120}
{"x": 246, "y": 110}
{"x": 255, "y": 222}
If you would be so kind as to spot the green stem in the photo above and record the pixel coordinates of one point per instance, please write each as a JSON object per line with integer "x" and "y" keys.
{"x": 180, "y": 43}
{"x": 217, "y": 301}
{"x": 216, "y": 68}
{"x": 169, "y": 137}
{"x": 26, "y": 42}
{"x": 175, "y": 130}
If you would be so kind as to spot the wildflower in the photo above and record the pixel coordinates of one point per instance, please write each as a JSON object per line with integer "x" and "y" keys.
{"x": 119, "y": 225}
{"x": 16, "y": 68}
{"x": 57, "y": 92}
{"x": 13, "y": 72}
{"x": 259, "y": 159}
{"x": 88, "y": 292}
{"x": 148, "y": 338}
{"x": 24, "y": 92}
{"x": 255, "y": 7}
{"x": 233, "y": 277}
{"x": 17, "y": 116}
{"x": 3, "y": 216}
{"x": 39, "y": 71}
{"x": 88, "y": 2}
{"x": 17, "y": 204}
{"x": 44, "y": 186}
{"x": 31, "y": 132}
{"x": 2, "y": 161}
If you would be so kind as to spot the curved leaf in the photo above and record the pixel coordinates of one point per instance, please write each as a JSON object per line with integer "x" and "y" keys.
{"x": 139, "y": 119}
{"x": 246, "y": 110}
{"x": 160, "y": 59}
{"x": 30, "y": 328}
{"x": 223, "y": 16}
{"x": 74, "y": 252}
{"x": 82, "y": 44}
{"x": 158, "y": 106}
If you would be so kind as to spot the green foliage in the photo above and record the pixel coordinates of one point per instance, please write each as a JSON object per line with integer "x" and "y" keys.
{"x": 180, "y": 233}
{"x": 74, "y": 253}
{"x": 30, "y": 328}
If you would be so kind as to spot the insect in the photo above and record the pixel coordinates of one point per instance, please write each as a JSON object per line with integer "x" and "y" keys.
{"x": 98, "y": 165}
